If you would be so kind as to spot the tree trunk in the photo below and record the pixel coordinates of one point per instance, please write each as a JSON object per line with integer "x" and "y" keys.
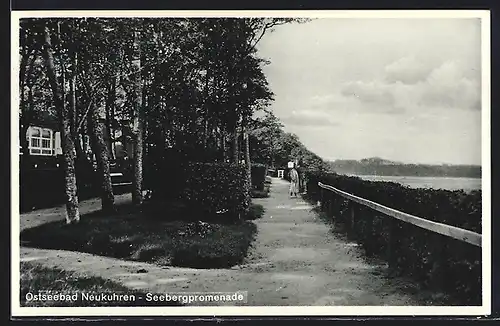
{"x": 137, "y": 121}
{"x": 272, "y": 152}
{"x": 26, "y": 108}
{"x": 25, "y": 122}
{"x": 91, "y": 146}
{"x": 144, "y": 126}
{"x": 110, "y": 103}
{"x": 246, "y": 143}
{"x": 206, "y": 108}
{"x": 112, "y": 118}
{"x": 85, "y": 135}
{"x": 74, "y": 109}
{"x": 68, "y": 147}
{"x": 236, "y": 149}
{"x": 102, "y": 156}
{"x": 224, "y": 146}
{"x": 214, "y": 142}
{"x": 205, "y": 132}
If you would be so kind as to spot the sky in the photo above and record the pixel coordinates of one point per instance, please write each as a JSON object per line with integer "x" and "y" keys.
{"x": 407, "y": 90}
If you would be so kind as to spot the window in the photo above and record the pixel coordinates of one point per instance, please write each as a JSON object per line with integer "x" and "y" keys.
{"x": 35, "y": 142}
{"x": 41, "y": 141}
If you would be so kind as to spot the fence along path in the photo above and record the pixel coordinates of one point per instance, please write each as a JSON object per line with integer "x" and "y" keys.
{"x": 444, "y": 229}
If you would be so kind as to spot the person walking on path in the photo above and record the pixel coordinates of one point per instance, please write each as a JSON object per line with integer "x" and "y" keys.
{"x": 294, "y": 182}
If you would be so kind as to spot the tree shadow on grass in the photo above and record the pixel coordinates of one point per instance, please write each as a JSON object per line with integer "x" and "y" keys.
{"x": 172, "y": 239}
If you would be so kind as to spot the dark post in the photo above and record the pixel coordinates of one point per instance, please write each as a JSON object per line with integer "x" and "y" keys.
{"x": 304, "y": 182}
{"x": 322, "y": 200}
{"x": 330, "y": 205}
{"x": 353, "y": 215}
{"x": 391, "y": 241}
{"x": 438, "y": 261}
{"x": 366, "y": 229}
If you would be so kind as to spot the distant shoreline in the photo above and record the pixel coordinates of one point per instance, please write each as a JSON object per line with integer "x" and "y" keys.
{"x": 380, "y": 167}
{"x": 410, "y": 176}
{"x": 447, "y": 183}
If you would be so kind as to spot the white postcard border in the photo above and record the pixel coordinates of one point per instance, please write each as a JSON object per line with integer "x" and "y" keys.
{"x": 483, "y": 310}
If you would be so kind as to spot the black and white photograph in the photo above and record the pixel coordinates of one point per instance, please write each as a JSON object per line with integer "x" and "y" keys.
{"x": 226, "y": 163}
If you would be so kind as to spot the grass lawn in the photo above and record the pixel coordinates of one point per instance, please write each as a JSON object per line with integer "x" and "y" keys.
{"x": 36, "y": 280}
{"x": 131, "y": 235}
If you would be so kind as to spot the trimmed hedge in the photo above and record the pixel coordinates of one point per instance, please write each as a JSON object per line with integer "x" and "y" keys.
{"x": 206, "y": 191}
{"x": 215, "y": 187}
{"x": 43, "y": 186}
{"x": 264, "y": 193}
{"x": 435, "y": 261}
{"x": 259, "y": 172}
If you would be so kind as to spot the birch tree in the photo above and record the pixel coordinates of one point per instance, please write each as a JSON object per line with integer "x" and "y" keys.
{"x": 137, "y": 118}
{"x": 68, "y": 146}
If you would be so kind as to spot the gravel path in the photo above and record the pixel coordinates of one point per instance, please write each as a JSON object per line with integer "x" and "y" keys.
{"x": 295, "y": 260}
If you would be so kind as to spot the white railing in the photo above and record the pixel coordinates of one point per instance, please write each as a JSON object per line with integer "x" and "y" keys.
{"x": 440, "y": 228}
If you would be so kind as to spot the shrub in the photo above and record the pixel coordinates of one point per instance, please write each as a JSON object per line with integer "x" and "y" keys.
{"x": 43, "y": 186}
{"x": 217, "y": 187}
{"x": 258, "y": 176}
{"x": 264, "y": 193}
{"x": 432, "y": 259}
{"x": 456, "y": 208}
{"x": 204, "y": 191}
{"x": 260, "y": 193}
{"x": 255, "y": 211}
{"x": 165, "y": 174}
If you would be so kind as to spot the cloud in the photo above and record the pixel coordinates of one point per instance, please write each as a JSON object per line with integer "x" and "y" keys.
{"x": 407, "y": 70}
{"x": 309, "y": 118}
{"x": 369, "y": 92}
{"x": 322, "y": 100}
{"x": 340, "y": 103}
{"x": 329, "y": 102}
{"x": 448, "y": 85}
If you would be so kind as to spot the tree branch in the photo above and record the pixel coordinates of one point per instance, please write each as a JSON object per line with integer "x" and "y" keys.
{"x": 91, "y": 101}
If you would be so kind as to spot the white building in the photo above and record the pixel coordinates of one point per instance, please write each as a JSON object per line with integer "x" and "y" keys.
{"x": 43, "y": 141}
